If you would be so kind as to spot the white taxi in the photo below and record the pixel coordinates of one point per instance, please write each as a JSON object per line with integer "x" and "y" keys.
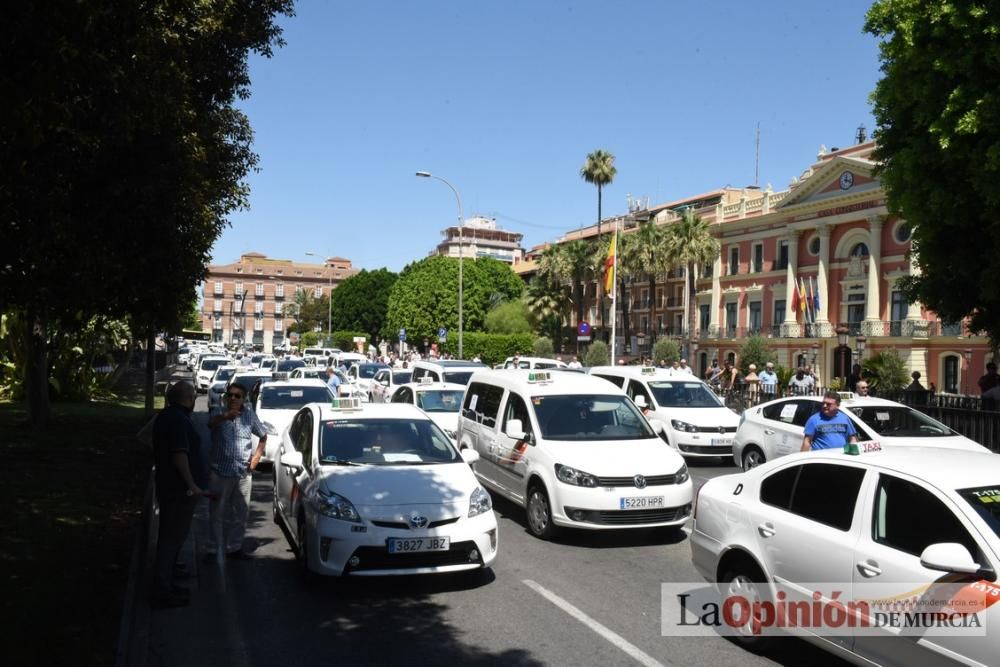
{"x": 385, "y": 382}
{"x": 379, "y": 489}
{"x": 899, "y": 521}
{"x": 697, "y": 422}
{"x": 573, "y": 450}
{"x": 776, "y": 428}
{"x": 277, "y": 401}
{"x": 442, "y": 401}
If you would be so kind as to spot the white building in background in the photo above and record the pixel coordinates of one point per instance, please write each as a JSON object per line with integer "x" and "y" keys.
{"x": 480, "y": 237}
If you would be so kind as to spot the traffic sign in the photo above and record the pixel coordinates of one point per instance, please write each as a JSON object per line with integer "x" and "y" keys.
{"x": 402, "y": 334}
{"x": 583, "y": 339}
{"x": 583, "y": 328}
{"x": 442, "y": 334}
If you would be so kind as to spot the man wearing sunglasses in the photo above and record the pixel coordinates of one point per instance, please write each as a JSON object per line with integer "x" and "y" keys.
{"x": 829, "y": 428}
{"x": 232, "y": 462}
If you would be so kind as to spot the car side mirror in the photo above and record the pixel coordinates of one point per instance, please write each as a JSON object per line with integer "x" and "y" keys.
{"x": 949, "y": 557}
{"x": 470, "y": 456}
{"x": 515, "y": 429}
{"x": 292, "y": 460}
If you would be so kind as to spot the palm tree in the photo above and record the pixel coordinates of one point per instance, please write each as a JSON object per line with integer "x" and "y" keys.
{"x": 690, "y": 242}
{"x": 568, "y": 262}
{"x": 650, "y": 257}
{"x": 548, "y": 303}
{"x": 626, "y": 276}
{"x": 599, "y": 169}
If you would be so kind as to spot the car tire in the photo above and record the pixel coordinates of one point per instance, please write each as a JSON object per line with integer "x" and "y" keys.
{"x": 752, "y": 457}
{"x": 302, "y": 551}
{"x": 745, "y": 580}
{"x": 539, "y": 512}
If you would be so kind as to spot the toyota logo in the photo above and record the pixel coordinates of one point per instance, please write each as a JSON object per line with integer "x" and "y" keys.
{"x": 639, "y": 481}
{"x": 417, "y": 521}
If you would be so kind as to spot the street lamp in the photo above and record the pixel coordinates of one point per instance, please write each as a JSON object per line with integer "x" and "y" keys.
{"x": 842, "y": 332}
{"x": 967, "y": 353}
{"x": 861, "y": 341}
{"x": 329, "y": 297}
{"x": 815, "y": 351}
{"x": 461, "y": 252}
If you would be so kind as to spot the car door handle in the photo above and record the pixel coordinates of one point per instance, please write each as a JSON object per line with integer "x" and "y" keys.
{"x": 869, "y": 568}
{"x": 768, "y": 431}
{"x": 766, "y": 530}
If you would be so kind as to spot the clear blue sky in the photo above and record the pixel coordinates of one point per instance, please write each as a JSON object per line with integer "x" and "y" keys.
{"x": 505, "y": 100}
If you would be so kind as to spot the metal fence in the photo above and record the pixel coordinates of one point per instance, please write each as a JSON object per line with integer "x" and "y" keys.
{"x": 966, "y": 414}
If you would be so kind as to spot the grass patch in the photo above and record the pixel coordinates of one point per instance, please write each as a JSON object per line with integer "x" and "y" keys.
{"x": 72, "y": 495}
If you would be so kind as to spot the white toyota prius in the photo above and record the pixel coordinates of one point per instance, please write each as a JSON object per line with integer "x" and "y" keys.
{"x": 379, "y": 489}
{"x": 885, "y": 529}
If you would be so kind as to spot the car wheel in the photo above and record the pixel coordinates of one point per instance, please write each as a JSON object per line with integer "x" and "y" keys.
{"x": 746, "y": 581}
{"x": 540, "y": 513}
{"x": 752, "y": 457}
{"x": 302, "y": 549}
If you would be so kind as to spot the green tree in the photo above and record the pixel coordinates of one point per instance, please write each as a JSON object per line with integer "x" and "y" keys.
{"x": 548, "y": 305}
{"x": 755, "y": 351}
{"x": 113, "y": 116}
{"x": 885, "y": 371}
{"x": 543, "y": 348}
{"x": 650, "y": 256}
{"x": 509, "y": 317}
{"x": 361, "y": 302}
{"x": 691, "y": 243}
{"x": 666, "y": 350}
{"x": 192, "y": 321}
{"x": 310, "y": 312}
{"x": 937, "y": 110}
{"x": 597, "y": 354}
{"x": 599, "y": 169}
{"x": 569, "y": 262}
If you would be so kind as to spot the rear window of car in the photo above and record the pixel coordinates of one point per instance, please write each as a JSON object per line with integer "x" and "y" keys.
{"x": 291, "y": 398}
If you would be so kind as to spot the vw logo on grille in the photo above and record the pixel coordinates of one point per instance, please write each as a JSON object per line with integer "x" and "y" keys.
{"x": 417, "y": 521}
{"x": 722, "y": 429}
{"x": 639, "y": 481}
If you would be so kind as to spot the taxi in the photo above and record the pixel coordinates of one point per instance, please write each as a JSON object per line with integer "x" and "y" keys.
{"x": 776, "y": 428}
{"x": 368, "y": 490}
{"x": 277, "y": 401}
{"x": 572, "y": 450}
{"x": 442, "y": 401}
{"x": 888, "y": 528}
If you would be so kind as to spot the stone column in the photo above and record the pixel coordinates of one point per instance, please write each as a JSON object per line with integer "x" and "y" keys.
{"x": 713, "y": 310}
{"x": 791, "y": 328}
{"x": 872, "y": 301}
{"x": 822, "y": 283}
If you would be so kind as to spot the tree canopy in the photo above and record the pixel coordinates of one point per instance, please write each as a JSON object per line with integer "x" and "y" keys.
{"x": 361, "y": 302}
{"x": 938, "y": 145}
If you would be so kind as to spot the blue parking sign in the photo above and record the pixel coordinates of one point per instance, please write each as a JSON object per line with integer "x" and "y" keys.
{"x": 442, "y": 334}
{"x": 402, "y": 334}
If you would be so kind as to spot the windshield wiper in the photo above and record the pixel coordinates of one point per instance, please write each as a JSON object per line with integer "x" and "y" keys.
{"x": 340, "y": 462}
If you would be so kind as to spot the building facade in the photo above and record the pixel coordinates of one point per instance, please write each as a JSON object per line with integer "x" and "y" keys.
{"x": 248, "y": 302}
{"x": 480, "y": 237}
{"x": 794, "y": 267}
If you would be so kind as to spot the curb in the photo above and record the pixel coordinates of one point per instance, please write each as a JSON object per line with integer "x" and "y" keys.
{"x": 133, "y": 632}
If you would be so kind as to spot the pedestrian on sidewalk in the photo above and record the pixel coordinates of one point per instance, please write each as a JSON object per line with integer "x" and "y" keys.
{"x": 232, "y": 463}
{"x": 180, "y": 478}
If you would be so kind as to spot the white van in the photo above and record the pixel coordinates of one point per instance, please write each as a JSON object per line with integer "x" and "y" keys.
{"x": 573, "y": 450}
{"x": 697, "y": 422}
{"x": 315, "y": 356}
{"x": 446, "y": 370}
{"x": 533, "y": 362}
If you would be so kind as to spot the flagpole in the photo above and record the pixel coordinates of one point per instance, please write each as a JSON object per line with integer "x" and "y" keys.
{"x": 614, "y": 294}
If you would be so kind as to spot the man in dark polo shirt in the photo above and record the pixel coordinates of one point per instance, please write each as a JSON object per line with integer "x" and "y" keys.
{"x": 180, "y": 478}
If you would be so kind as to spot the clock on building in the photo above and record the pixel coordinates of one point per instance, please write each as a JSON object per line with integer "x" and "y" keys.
{"x": 846, "y": 180}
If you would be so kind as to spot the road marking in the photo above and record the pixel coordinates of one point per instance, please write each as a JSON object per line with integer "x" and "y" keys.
{"x": 640, "y": 656}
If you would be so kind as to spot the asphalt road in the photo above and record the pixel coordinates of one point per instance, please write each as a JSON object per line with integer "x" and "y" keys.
{"x": 588, "y": 598}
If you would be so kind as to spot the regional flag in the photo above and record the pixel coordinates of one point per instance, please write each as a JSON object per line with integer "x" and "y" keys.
{"x": 609, "y": 265}
{"x": 816, "y": 296}
{"x": 802, "y": 298}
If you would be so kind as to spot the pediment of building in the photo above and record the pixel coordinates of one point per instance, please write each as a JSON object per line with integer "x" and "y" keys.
{"x": 840, "y": 177}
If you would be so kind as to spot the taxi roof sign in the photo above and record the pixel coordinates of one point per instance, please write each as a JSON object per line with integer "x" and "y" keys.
{"x": 845, "y": 395}
{"x": 538, "y": 377}
{"x": 427, "y": 379}
{"x": 648, "y": 370}
{"x": 345, "y": 403}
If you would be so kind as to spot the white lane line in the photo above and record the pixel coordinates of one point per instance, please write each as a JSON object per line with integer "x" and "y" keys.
{"x": 640, "y": 656}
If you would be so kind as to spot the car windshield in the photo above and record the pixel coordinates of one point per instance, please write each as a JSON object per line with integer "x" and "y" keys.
{"x": 291, "y": 398}
{"x": 368, "y": 371}
{"x": 401, "y": 378}
{"x": 458, "y": 377}
{"x": 308, "y": 372}
{"x": 224, "y": 374}
{"x": 439, "y": 400}
{"x": 212, "y": 364}
{"x": 986, "y": 501}
{"x": 683, "y": 394}
{"x": 597, "y": 417}
{"x": 900, "y": 421}
{"x": 286, "y": 365}
{"x": 385, "y": 442}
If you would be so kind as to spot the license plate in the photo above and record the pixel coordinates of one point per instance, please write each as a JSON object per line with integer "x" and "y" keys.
{"x": 722, "y": 442}
{"x": 401, "y": 545}
{"x": 641, "y": 503}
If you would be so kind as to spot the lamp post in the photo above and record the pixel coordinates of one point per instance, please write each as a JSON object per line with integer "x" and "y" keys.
{"x": 329, "y": 297}
{"x": 967, "y": 353}
{"x": 843, "y": 355}
{"x": 861, "y": 341}
{"x": 815, "y": 351}
{"x": 461, "y": 252}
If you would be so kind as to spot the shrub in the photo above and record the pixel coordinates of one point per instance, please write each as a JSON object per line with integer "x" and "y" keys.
{"x": 491, "y": 348}
{"x": 755, "y": 351}
{"x": 543, "y": 347}
{"x": 597, "y": 354}
{"x": 885, "y": 371}
{"x": 666, "y": 350}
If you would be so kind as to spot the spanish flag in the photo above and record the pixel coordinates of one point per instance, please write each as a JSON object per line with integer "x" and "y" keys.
{"x": 802, "y": 296}
{"x": 609, "y": 265}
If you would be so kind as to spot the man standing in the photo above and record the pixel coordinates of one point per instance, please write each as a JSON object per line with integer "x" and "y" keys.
{"x": 684, "y": 369}
{"x": 861, "y": 388}
{"x": 768, "y": 381}
{"x": 332, "y": 381}
{"x": 714, "y": 374}
{"x": 575, "y": 363}
{"x": 801, "y": 384}
{"x": 232, "y": 464}
{"x": 989, "y": 380}
{"x": 180, "y": 477}
{"x": 829, "y": 428}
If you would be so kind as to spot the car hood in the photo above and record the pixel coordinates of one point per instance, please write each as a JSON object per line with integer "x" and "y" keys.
{"x": 616, "y": 458}
{"x": 944, "y": 442}
{"x": 703, "y": 417}
{"x": 447, "y": 484}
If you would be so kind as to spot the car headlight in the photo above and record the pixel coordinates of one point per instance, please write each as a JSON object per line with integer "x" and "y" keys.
{"x": 683, "y": 426}
{"x": 575, "y": 477}
{"x": 332, "y": 505}
{"x": 480, "y": 502}
{"x": 269, "y": 427}
{"x": 682, "y": 475}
